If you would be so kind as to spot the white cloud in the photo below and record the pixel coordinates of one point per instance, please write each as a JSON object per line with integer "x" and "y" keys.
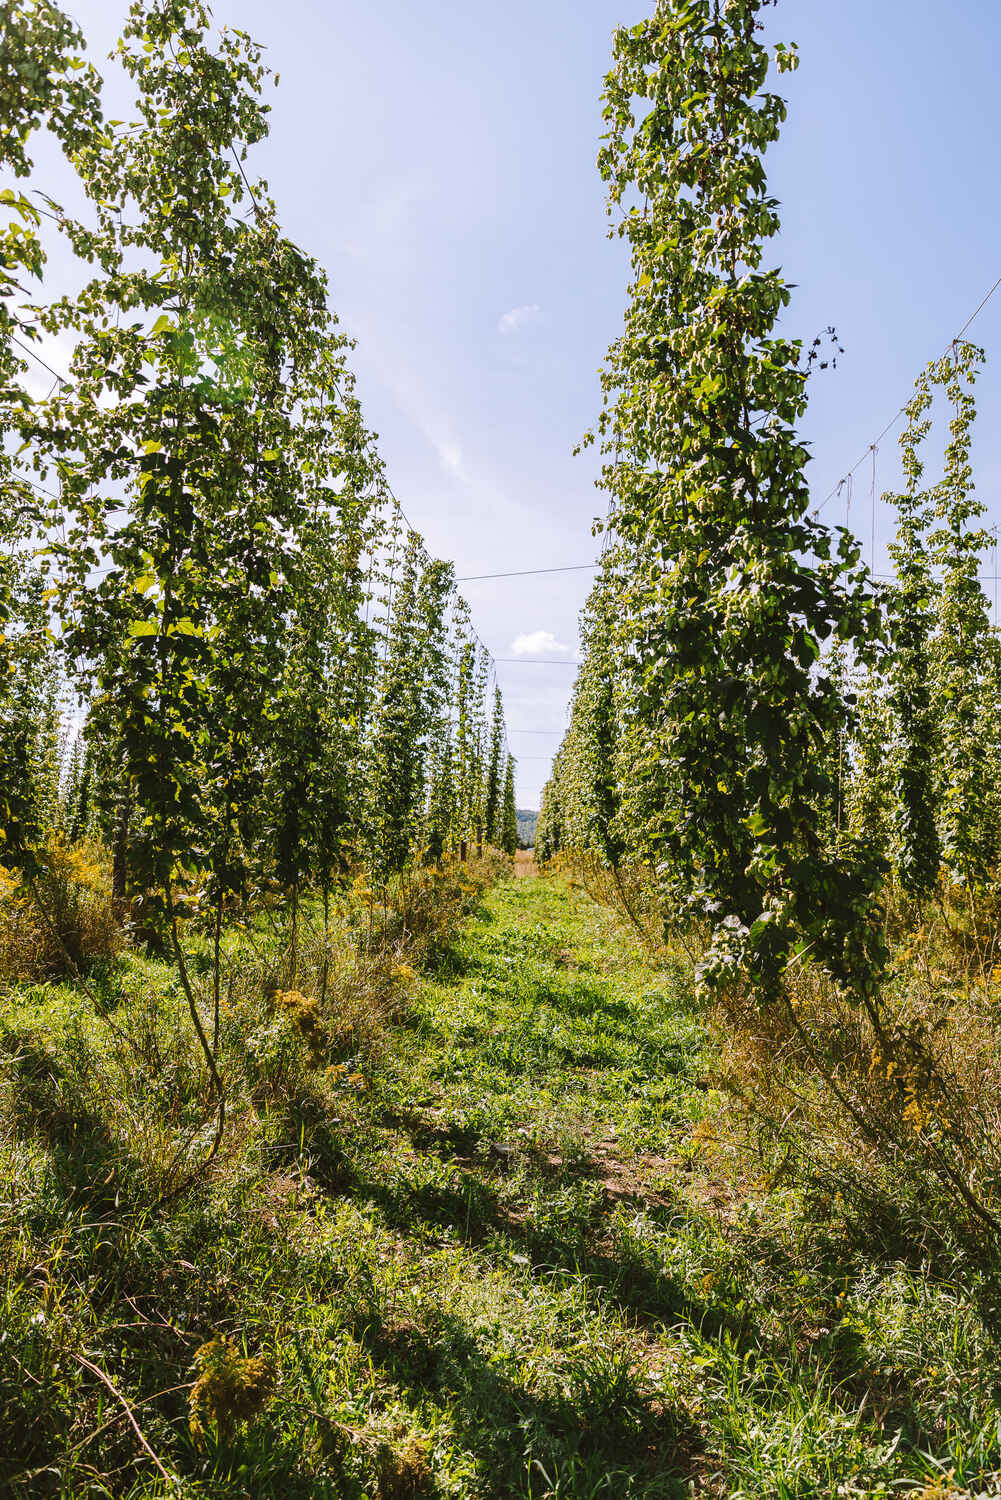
{"x": 511, "y": 321}
{"x": 450, "y": 458}
{"x": 538, "y": 643}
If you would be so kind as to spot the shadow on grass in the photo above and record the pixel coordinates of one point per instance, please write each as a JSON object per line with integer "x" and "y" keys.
{"x": 571, "y": 1433}
{"x": 599, "y": 1429}
{"x": 87, "y": 1164}
{"x": 469, "y": 1208}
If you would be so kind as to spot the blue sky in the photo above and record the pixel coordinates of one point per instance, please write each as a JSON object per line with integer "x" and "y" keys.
{"x": 439, "y": 160}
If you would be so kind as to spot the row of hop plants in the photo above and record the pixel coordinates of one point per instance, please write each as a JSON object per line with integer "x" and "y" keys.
{"x": 772, "y": 759}
{"x": 230, "y": 672}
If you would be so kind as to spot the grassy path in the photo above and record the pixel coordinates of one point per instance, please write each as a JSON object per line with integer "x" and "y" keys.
{"x": 604, "y": 1320}
{"x": 502, "y": 1271}
{"x": 524, "y": 1109}
{"x": 576, "y": 1309}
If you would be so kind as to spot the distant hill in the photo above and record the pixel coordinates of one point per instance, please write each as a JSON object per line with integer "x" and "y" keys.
{"x": 526, "y": 828}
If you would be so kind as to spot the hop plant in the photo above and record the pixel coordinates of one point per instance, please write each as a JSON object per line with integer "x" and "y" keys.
{"x": 230, "y": 1388}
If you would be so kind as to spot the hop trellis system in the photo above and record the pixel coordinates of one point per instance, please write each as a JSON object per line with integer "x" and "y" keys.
{"x": 280, "y": 684}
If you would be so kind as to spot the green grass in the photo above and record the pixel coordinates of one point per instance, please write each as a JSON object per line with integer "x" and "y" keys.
{"x": 503, "y": 1269}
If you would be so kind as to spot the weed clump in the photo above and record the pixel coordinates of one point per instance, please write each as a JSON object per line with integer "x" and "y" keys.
{"x": 893, "y": 1106}
{"x": 66, "y": 922}
{"x": 304, "y": 1013}
{"x": 403, "y": 1469}
{"x": 230, "y": 1388}
{"x": 420, "y": 911}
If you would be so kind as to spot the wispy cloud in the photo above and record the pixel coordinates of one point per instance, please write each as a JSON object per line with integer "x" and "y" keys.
{"x": 412, "y": 395}
{"x": 538, "y": 643}
{"x": 387, "y": 217}
{"x": 396, "y": 200}
{"x": 511, "y": 321}
{"x": 450, "y": 458}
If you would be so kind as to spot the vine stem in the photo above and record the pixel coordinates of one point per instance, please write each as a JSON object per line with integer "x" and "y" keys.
{"x": 106, "y": 1380}
{"x": 217, "y": 1083}
{"x": 216, "y": 943}
{"x": 876, "y": 1133}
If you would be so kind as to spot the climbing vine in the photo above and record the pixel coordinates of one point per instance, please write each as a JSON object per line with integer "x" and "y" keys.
{"x": 917, "y": 850}
{"x": 968, "y": 840}
{"x": 730, "y": 588}
{"x": 204, "y": 550}
{"x": 47, "y": 85}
